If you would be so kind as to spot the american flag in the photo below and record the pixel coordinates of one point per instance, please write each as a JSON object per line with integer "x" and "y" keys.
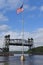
{"x": 19, "y": 10}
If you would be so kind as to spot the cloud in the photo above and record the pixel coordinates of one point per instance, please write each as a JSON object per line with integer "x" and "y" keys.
{"x": 13, "y": 4}
{"x": 33, "y": 8}
{"x": 13, "y": 35}
{"x": 2, "y": 41}
{"x": 39, "y": 35}
{"x": 36, "y": 35}
{"x": 4, "y": 28}
{"x": 41, "y": 8}
{"x": 26, "y": 6}
{"x": 3, "y": 18}
{"x": 29, "y": 7}
{"x": 18, "y": 48}
{"x": 2, "y": 4}
{"x": 10, "y": 4}
{"x": 18, "y": 35}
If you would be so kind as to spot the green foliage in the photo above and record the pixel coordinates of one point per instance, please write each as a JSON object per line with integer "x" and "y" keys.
{"x": 36, "y": 50}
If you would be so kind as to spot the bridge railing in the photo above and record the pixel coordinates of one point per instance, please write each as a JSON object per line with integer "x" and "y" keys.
{"x": 16, "y": 41}
{"x": 19, "y": 41}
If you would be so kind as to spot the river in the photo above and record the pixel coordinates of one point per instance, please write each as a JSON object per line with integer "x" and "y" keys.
{"x": 15, "y": 60}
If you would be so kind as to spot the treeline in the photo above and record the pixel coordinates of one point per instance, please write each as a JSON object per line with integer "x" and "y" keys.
{"x": 37, "y": 50}
{"x": 19, "y": 52}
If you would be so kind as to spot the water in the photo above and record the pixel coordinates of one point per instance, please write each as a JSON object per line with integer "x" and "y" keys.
{"x": 15, "y": 60}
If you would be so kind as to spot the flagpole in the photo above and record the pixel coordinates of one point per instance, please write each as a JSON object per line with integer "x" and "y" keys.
{"x": 19, "y": 10}
{"x": 22, "y": 34}
{"x": 22, "y": 57}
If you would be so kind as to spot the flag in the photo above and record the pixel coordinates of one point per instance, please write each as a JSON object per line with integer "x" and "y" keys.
{"x": 19, "y": 10}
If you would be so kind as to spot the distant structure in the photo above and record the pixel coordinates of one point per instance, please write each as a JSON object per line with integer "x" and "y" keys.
{"x": 17, "y": 42}
{"x": 30, "y": 41}
{"x": 7, "y": 40}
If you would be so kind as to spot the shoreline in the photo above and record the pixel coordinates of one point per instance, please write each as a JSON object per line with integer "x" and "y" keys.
{"x": 37, "y": 53}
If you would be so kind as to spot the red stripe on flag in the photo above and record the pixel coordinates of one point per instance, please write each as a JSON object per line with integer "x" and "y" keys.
{"x": 19, "y": 10}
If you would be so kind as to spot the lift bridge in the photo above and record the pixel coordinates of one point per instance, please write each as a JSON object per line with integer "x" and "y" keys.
{"x": 17, "y": 42}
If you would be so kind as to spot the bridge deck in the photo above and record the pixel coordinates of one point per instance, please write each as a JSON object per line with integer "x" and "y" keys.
{"x": 20, "y": 44}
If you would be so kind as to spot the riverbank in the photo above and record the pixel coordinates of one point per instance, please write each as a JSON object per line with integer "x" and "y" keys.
{"x": 33, "y": 51}
{"x": 6, "y": 54}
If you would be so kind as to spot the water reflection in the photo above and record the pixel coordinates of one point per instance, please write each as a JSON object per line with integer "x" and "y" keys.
{"x": 6, "y": 63}
{"x": 15, "y": 60}
{"x": 6, "y": 58}
{"x": 22, "y": 62}
{"x": 31, "y": 60}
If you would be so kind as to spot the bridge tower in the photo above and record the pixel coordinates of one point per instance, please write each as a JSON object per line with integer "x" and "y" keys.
{"x": 30, "y": 41}
{"x": 7, "y": 39}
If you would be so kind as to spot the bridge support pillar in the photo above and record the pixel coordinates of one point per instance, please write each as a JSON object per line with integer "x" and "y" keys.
{"x": 30, "y": 50}
{"x": 30, "y": 41}
{"x": 7, "y": 39}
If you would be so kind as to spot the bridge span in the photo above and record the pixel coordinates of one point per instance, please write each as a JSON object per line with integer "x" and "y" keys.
{"x": 17, "y": 42}
{"x": 20, "y": 42}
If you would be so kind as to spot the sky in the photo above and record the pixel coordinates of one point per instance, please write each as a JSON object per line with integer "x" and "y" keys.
{"x": 11, "y": 22}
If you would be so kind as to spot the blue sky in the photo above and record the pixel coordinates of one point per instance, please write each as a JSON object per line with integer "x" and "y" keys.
{"x": 11, "y": 22}
{"x": 33, "y": 15}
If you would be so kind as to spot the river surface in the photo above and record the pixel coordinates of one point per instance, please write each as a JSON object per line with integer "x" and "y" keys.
{"x": 15, "y": 60}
